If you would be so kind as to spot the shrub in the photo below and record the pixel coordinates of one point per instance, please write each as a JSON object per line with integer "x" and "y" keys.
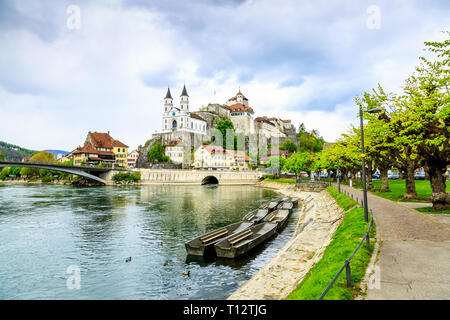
{"x": 128, "y": 176}
{"x": 4, "y": 173}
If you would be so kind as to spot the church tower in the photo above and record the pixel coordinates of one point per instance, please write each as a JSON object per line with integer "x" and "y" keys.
{"x": 168, "y": 101}
{"x": 184, "y": 102}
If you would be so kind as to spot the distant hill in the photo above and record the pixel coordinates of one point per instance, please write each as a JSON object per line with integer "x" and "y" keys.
{"x": 15, "y": 153}
{"x": 56, "y": 152}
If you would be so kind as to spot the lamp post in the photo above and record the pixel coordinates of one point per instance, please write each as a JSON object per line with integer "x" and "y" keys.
{"x": 366, "y": 209}
{"x": 338, "y": 176}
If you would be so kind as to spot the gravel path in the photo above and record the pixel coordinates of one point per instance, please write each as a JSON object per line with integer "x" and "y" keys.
{"x": 413, "y": 261}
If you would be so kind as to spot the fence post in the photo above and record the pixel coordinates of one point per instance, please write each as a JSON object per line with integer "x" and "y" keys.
{"x": 368, "y": 241}
{"x": 348, "y": 274}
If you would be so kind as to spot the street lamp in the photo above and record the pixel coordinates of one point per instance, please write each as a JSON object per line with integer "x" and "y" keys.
{"x": 366, "y": 209}
{"x": 338, "y": 176}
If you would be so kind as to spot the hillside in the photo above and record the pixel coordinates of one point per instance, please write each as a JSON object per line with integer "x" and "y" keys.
{"x": 15, "y": 153}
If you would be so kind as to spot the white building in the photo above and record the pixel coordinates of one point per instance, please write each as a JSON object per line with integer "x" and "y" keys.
{"x": 241, "y": 114}
{"x": 210, "y": 156}
{"x": 175, "y": 150}
{"x": 181, "y": 119}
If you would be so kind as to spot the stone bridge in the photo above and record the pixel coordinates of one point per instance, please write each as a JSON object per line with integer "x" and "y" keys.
{"x": 199, "y": 176}
{"x": 101, "y": 174}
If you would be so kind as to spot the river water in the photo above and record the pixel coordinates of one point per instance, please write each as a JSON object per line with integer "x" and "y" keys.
{"x": 45, "y": 229}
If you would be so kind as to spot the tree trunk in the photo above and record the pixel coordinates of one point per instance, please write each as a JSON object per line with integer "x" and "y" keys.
{"x": 409, "y": 181}
{"x": 384, "y": 180}
{"x": 440, "y": 198}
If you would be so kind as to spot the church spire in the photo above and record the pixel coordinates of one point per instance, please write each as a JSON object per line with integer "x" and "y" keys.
{"x": 184, "y": 93}
{"x": 168, "y": 95}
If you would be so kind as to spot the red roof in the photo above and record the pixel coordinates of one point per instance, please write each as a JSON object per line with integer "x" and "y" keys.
{"x": 237, "y": 94}
{"x": 172, "y": 143}
{"x": 215, "y": 149}
{"x": 87, "y": 148}
{"x": 239, "y": 107}
{"x": 104, "y": 140}
{"x": 284, "y": 153}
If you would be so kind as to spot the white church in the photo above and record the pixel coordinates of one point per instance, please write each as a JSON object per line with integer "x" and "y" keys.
{"x": 181, "y": 119}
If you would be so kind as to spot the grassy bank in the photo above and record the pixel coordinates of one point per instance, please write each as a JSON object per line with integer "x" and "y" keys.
{"x": 289, "y": 181}
{"x": 430, "y": 210}
{"x": 398, "y": 189}
{"x": 345, "y": 240}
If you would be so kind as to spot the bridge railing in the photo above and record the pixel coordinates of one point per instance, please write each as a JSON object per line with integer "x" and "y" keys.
{"x": 18, "y": 164}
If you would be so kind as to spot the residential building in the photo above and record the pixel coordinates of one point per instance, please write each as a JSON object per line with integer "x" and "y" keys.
{"x": 132, "y": 159}
{"x": 175, "y": 150}
{"x": 214, "y": 157}
{"x": 99, "y": 148}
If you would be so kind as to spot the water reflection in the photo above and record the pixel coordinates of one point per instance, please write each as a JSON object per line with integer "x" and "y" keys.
{"x": 45, "y": 228}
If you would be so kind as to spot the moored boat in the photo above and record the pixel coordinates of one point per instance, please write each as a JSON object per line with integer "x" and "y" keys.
{"x": 242, "y": 242}
{"x": 204, "y": 244}
{"x": 294, "y": 202}
{"x": 279, "y": 217}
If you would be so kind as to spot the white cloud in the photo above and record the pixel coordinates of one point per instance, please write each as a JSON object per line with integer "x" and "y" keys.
{"x": 300, "y": 60}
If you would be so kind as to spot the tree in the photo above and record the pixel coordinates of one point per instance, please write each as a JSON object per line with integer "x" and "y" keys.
{"x": 298, "y": 162}
{"x": 2, "y": 157}
{"x": 156, "y": 153}
{"x": 224, "y": 126}
{"x": 40, "y": 157}
{"x": 309, "y": 141}
{"x": 276, "y": 162}
{"x": 427, "y": 118}
{"x": 289, "y": 146}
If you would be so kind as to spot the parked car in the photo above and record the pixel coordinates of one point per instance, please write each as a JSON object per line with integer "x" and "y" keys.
{"x": 393, "y": 176}
{"x": 419, "y": 175}
{"x": 375, "y": 176}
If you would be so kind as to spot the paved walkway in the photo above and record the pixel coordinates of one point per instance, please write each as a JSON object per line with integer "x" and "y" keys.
{"x": 414, "y": 258}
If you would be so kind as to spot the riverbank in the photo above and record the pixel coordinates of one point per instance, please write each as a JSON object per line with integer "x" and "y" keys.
{"x": 318, "y": 220}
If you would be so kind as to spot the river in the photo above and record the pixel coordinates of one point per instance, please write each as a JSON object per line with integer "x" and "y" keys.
{"x": 44, "y": 229}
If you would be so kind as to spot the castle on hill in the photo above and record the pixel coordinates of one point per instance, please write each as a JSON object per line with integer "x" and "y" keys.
{"x": 183, "y": 128}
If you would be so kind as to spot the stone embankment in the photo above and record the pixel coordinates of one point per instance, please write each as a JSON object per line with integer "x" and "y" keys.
{"x": 318, "y": 220}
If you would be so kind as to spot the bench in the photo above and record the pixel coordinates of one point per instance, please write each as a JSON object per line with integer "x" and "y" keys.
{"x": 250, "y": 217}
{"x": 270, "y": 216}
{"x": 214, "y": 235}
{"x": 240, "y": 237}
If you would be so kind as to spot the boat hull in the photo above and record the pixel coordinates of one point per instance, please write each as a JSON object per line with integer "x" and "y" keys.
{"x": 196, "y": 247}
{"x": 264, "y": 231}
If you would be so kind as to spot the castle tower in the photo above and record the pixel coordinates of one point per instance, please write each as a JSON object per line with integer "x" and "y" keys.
{"x": 168, "y": 101}
{"x": 184, "y": 102}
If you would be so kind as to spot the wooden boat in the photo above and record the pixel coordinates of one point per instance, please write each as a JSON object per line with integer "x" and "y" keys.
{"x": 287, "y": 205}
{"x": 256, "y": 215}
{"x": 204, "y": 244}
{"x": 279, "y": 217}
{"x": 294, "y": 202}
{"x": 242, "y": 242}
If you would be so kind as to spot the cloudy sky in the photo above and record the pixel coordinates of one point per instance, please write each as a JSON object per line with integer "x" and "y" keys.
{"x": 61, "y": 76}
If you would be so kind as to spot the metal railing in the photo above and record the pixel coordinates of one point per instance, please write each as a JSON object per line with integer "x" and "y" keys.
{"x": 346, "y": 265}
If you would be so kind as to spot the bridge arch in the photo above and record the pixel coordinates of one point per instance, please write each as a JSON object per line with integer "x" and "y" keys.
{"x": 69, "y": 169}
{"x": 210, "y": 180}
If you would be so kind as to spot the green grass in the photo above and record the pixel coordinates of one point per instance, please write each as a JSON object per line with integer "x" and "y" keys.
{"x": 292, "y": 181}
{"x": 430, "y": 210}
{"x": 344, "y": 242}
{"x": 398, "y": 189}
